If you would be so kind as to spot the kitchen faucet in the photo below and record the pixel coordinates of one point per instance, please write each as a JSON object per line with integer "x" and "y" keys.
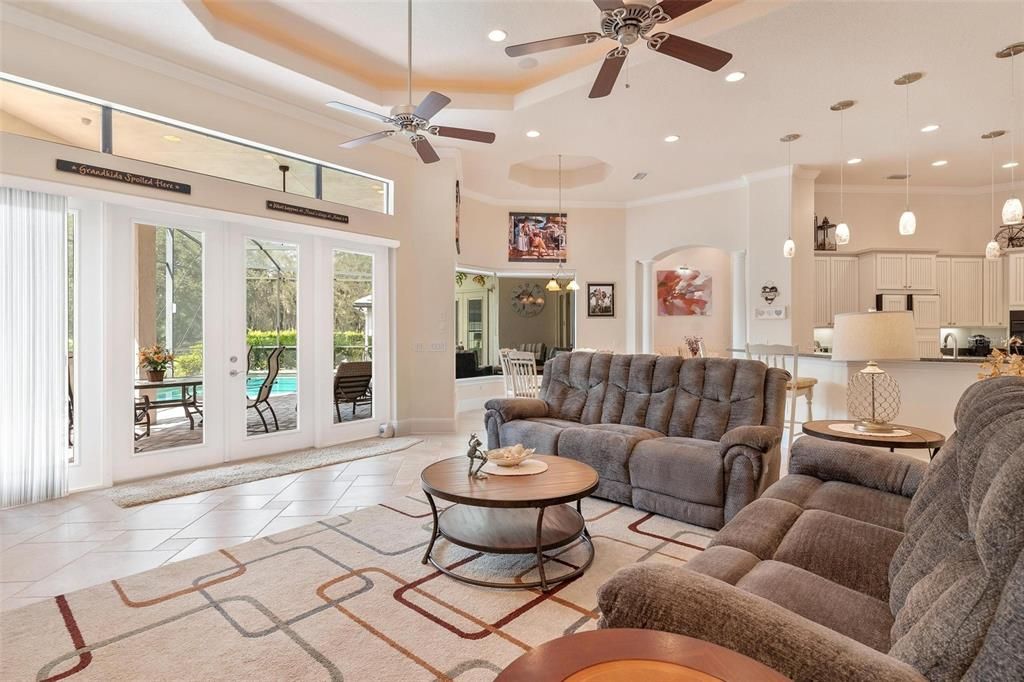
{"x": 956, "y": 345}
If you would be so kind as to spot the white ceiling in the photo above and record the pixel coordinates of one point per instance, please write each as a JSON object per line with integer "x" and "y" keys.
{"x": 800, "y": 57}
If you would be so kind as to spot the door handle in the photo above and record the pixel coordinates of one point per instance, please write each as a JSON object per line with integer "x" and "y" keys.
{"x": 234, "y": 373}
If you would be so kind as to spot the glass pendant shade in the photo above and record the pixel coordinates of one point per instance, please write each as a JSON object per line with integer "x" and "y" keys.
{"x": 992, "y": 251}
{"x": 1013, "y": 212}
{"x": 789, "y": 248}
{"x": 572, "y": 285}
{"x": 553, "y": 285}
{"x": 908, "y": 223}
{"x": 842, "y": 234}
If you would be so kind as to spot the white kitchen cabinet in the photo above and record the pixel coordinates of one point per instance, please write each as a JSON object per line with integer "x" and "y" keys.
{"x": 1015, "y": 264}
{"x": 943, "y": 290}
{"x": 822, "y": 293}
{"x": 966, "y": 296}
{"x": 928, "y": 345}
{"x": 835, "y": 288}
{"x": 905, "y": 271}
{"x": 995, "y": 312}
{"x": 890, "y": 271}
{"x": 894, "y": 303}
{"x": 926, "y": 312}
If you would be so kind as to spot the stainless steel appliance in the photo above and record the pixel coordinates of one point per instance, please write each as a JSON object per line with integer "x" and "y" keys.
{"x": 979, "y": 345}
{"x": 1016, "y": 330}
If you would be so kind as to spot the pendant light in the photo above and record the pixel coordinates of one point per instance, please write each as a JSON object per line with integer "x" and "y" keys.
{"x": 908, "y": 221}
{"x": 554, "y": 283}
{"x": 842, "y": 229}
{"x": 789, "y": 246}
{"x": 1013, "y": 212}
{"x": 992, "y": 250}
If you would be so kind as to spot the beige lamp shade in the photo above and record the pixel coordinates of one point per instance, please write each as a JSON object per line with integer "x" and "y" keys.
{"x": 860, "y": 337}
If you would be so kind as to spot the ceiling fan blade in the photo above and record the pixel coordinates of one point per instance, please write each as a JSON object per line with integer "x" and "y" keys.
{"x": 424, "y": 149}
{"x": 606, "y": 5}
{"x": 464, "y": 134}
{"x": 551, "y": 44}
{"x": 698, "y": 54}
{"x": 677, "y": 8}
{"x": 431, "y": 104}
{"x": 366, "y": 139}
{"x": 340, "y": 106}
{"x": 609, "y": 72}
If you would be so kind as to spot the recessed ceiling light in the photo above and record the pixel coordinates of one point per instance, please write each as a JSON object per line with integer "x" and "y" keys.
{"x": 735, "y": 77}
{"x": 939, "y": 163}
{"x": 533, "y": 133}
{"x": 497, "y": 35}
{"x": 671, "y": 138}
{"x": 172, "y": 138}
{"x": 930, "y": 128}
{"x": 1010, "y": 164}
{"x": 854, "y": 161}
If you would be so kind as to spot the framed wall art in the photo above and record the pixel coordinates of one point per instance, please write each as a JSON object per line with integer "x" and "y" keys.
{"x": 537, "y": 237}
{"x": 600, "y": 299}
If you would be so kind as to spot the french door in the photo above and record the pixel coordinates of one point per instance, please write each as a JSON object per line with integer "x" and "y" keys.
{"x": 270, "y": 340}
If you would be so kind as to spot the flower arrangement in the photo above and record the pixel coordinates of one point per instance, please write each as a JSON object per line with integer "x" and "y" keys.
{"x": 154, "y": 359}
{"x": 693, "y": 345}
{"x": 1000, "y": 364}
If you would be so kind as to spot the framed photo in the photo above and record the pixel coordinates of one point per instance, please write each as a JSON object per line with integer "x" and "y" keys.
{"x": 537, "y": 237}
{"x": 600, "y": 299}
{"x": 684, "y": 291}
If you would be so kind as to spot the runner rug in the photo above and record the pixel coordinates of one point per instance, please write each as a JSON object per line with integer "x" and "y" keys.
{"x": 341, "y": 599}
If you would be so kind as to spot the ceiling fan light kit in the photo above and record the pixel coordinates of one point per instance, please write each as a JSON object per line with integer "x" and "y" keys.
{"x": 413, "y": 121}
{"x": 628, "y": 24}
{"x": 908, "y": 221}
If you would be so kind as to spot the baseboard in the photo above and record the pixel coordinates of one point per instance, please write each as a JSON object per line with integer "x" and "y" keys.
{"x": 408, "y": 427}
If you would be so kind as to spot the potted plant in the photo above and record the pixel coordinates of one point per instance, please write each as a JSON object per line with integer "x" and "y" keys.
{"x": 154, "y": 359}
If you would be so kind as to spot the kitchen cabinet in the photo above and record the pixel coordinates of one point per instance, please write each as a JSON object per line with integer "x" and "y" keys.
{"x": 942, "y": 288}
{"x": 894, "y": 303}
{"x": 926, "y": 312}
{"x": 1015, "y": 264}
{"x": 905, "y": 271}
{"x": 966, "y": 296}
{"x": 835, "y": 288}
{"x": 996, "y": 310}
{"x": 928, "y": 345}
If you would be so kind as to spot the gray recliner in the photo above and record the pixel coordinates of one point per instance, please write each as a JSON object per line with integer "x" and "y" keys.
{"x": 694, "y": 439}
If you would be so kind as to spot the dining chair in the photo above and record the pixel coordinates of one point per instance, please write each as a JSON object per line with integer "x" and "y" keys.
{"x": 523, "y": 374}
{"x": 263, "y": 395}
{"x": 775, "y": 355}
{"x": 352, "y": 385}
{"x": 506, "y": 371}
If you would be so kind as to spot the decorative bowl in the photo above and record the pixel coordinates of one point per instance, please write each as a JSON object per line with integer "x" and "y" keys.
{"x": 509, "y": 457}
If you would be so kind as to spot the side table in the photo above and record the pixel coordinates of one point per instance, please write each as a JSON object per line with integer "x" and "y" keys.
{"x": 918, "y": 439}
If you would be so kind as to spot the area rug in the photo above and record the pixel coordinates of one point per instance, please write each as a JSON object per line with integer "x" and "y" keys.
{"x": 159, "y": 488}
{"x": 342, "y": 599}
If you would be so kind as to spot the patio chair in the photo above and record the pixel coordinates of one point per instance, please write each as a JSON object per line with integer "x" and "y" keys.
{"x": 142, "y": 417}
{"x": 71, "y": 402}
{"x": 262, "y": 399}
{"x": 352, "y": 385}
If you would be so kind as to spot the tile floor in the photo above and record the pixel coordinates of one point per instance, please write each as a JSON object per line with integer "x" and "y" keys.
{"x": 84, "y": 539}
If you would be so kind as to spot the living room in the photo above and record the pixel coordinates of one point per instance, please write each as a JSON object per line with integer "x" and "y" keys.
{"x": 393, "y": 341}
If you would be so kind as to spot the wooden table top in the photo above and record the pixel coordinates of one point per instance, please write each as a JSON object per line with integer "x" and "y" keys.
{"x": 626, "y": 655}
{"x": 565, "y": 480}
{"x": 918, "y": 438}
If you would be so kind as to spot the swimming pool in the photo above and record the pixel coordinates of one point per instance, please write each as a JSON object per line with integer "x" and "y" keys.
{"x": 285, "y": 384}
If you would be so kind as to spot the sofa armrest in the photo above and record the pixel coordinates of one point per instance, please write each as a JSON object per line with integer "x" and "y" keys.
{"x": 502, "y": 410}
{"x": 760, "y": 438}
{"x": 857, "y": 464}
{"x": 673, "y": 599}
{"x": 750, "y": 463}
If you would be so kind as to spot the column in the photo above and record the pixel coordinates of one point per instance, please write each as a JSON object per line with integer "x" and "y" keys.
{"x": 646, "y": 305}
{"x": 739, "y": 299}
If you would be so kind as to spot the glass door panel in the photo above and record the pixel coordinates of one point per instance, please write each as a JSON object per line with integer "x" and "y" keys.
{"x": 272, "y": 336}
{"x": 352, "y": 336}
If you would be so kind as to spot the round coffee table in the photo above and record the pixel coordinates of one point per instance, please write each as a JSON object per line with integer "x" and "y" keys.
{"x": 624, "y": 655}
{"x": 510, "y": 514}
{"x": 919, "y": 439}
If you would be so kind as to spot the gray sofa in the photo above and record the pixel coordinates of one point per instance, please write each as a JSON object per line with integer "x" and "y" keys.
{"x": 695, "y": 439}
{"x": 864, "y": 565}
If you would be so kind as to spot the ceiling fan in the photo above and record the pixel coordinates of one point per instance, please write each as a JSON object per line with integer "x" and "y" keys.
{"x": 413, "y": 121}
{"x": 626, "y": 23}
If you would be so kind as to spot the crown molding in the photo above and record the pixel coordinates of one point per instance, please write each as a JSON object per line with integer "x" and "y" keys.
{"x": 926, "y": 190}
{"x": 716, "y": 188}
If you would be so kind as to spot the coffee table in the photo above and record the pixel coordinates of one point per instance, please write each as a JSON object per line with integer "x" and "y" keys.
{"x": 625, "y": 655}
{"x": 510, "y": 514}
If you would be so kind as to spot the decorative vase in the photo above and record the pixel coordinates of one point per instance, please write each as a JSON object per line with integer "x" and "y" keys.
{"x": 155, "y": 374}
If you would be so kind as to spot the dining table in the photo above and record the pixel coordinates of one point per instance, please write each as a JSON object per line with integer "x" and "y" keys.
{"x": 187, "y": 398}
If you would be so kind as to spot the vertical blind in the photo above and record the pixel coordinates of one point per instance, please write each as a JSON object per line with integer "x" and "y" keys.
{"x": 33, "y": 347}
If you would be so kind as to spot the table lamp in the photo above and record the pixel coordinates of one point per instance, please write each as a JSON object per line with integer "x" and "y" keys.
{"x": 873, "y": 397}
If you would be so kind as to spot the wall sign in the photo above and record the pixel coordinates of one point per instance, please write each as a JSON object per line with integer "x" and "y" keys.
{"x": 763, "y": 313}
{"x": 307, "y": 212}
{"x": 769, "y": 292}
{"x": 122, "y": 176}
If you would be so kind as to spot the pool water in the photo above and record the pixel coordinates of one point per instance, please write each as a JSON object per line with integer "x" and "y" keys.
{"x": 284, "y": 385}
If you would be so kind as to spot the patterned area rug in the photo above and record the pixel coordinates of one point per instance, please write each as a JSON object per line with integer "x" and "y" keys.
{"x": 198, "y": 481}
{"x": 345, "y": 598}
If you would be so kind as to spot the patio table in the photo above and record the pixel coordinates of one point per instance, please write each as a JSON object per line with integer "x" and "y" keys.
{"x": 186, "y": 399}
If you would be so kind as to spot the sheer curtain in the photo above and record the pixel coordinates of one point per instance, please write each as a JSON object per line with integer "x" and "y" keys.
{"x": 33, "y": 346}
